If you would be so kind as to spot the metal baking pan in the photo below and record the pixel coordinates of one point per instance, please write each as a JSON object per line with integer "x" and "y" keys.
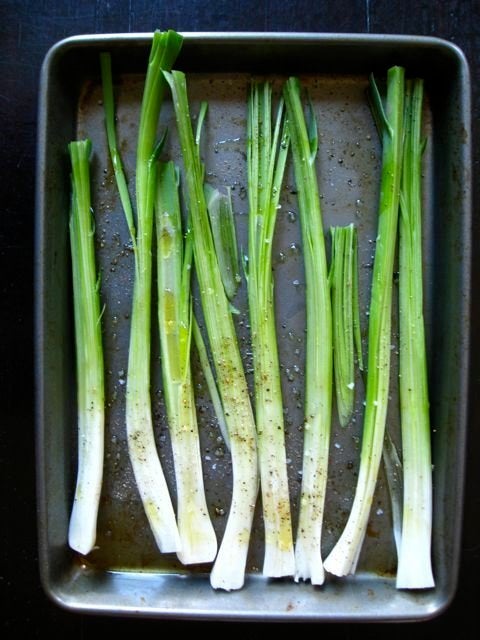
{"x": 126, "y": 575}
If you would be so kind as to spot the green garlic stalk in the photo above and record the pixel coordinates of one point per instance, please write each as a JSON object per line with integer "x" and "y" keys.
{"x": 229, "y": 569}
{"x": 89, "y": 355}
{"x": 199, "y": 543}
{"x": 267, "y": 152}
{"x": 318, "y": 367}
{"x": 343, "y": 558}
{"x": 144, "y": 458}
{"x": 414, "y": 562}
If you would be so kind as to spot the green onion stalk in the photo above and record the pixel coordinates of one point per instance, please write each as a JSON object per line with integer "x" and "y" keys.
{"x": 346, "y": 318}
{"x": 267, "y": 153}
{"x": 199, "y": 543}
{"x": 144, "y": 458}
{"x": 89, "y": 355}
{"x": 228, "y": 571}
{"x": 318, "y": 366}
{"x": 344, "y": 556}
{"x": 414, "y": 562}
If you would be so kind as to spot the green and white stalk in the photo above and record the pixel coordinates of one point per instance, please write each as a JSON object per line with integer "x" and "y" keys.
{"x": 414, "y": 562}
{"x": 318, "y": 367}
{"x": 89, "y": 355}
{"x": 346, "y": 318}
{"x": 266, "y": 154}
{"x": 229, "y": 569}
{"x": 344, "y": 556}
{"x": 199, "y": 543}
{"x": 144, "y": 458}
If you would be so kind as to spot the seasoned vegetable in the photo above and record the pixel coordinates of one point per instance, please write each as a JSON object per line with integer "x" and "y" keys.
{"x": 146, "y": 465}
{"x": 318, "y": 366}
{"x": 414, "y": 562}
{"x": 89, "y": 355}
{"x": 229, "y": 569}
{"x": 343, "y": 558}
{"x": 199, "y": 543}
{"x": 267, "y": 152}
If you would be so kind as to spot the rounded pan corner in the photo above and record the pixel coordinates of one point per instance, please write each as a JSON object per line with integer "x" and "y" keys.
{"x": 60, "y": 591}
{"x": 438, "y": 608}
{"x": 452, "y": 48}
{"x": 55, "y": 52}
{"x": 53, "y": 590}
{"x": 442, "y": 598}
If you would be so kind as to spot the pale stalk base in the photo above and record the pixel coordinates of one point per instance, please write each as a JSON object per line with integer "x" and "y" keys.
{"x": 228, "y": 572}
{"x": 150, "y": 480}
{"x": 199, "y": 543}
{"x": 308, "y": 561}
{"x": 343, "y": 558}
{"x": 278, "y": 563}
{"x": 82, "y": 530}
{"x": 197, "y": 535}
{"x": 414, "y": 562}
{"x": 279, "y": 560}
{"x": 308, "y": 555}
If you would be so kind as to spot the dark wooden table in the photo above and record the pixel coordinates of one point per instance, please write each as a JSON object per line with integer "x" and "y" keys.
{"x": 27, "y": 30}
